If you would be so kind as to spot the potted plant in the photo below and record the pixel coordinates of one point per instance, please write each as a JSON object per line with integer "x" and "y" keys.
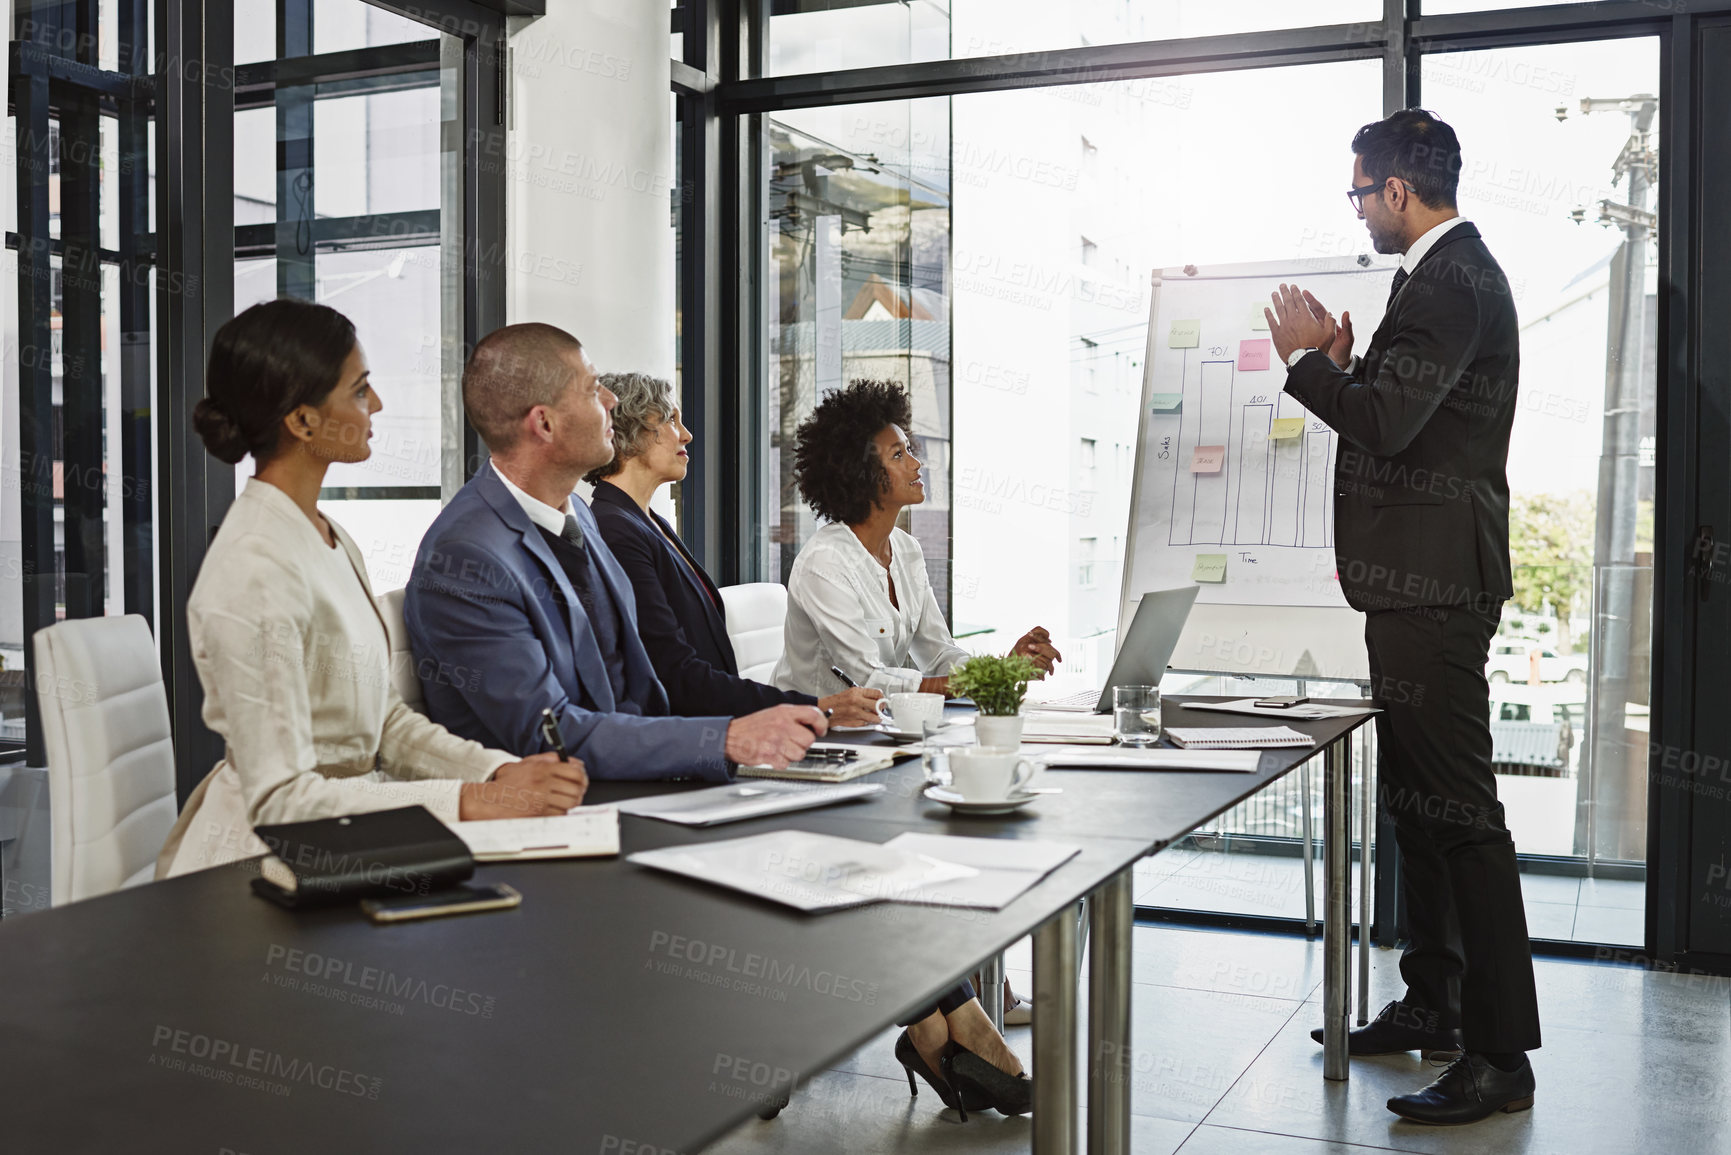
{"x": 997, "y": 684}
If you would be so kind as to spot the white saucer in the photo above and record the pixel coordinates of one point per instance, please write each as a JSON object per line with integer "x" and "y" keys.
{"x": 962, "y": 806}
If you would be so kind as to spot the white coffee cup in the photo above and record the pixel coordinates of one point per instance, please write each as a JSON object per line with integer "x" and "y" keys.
{"x": 908, "y": 711}
{"x": 989, "y": 773}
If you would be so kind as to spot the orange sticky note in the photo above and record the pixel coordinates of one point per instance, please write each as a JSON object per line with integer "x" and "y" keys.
{"x": 1207, "y": 458}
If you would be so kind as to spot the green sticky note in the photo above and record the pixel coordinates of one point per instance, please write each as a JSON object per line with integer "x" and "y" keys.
{"x": 1166, "y": 404}
{"x": 1209, "y": 567}
{"x": 1258, "y": 320}
{"x": 1285, "y": 427}
{"x": 1184, "y": 335}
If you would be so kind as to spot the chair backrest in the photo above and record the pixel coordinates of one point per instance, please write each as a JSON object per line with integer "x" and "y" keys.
{"x": 756, "y": 618}
{"x": 110, "y": 753}
{"x": 403, "y": 675}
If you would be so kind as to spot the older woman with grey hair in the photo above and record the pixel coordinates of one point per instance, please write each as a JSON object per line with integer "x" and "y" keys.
{"x": 680, "y": 615}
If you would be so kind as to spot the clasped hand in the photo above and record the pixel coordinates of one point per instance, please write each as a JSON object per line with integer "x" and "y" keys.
{"x": 1036, "y": 645}
{"x": 1299, "y": 321}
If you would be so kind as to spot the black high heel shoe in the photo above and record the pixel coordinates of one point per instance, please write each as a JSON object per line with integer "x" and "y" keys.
{"x": 984, "y": 1085}
{"x": 909, "y": 1057}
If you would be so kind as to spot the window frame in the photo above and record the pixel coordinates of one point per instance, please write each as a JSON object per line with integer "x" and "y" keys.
{"x": 737, "y": 96}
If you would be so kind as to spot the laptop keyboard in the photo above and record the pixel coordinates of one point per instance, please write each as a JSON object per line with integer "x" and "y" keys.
{"x": 1081, "y": 700}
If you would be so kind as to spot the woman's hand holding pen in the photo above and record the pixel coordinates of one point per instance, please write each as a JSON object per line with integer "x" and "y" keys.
{"x": 540, "y": 785}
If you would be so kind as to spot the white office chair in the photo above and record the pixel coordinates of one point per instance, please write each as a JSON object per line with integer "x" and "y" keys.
{"x": 110, "y": 753}
{"x": 756, "y": 618}
{"x": 403, "y": 675}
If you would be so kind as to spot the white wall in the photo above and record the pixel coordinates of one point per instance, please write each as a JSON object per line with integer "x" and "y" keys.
{"x": 591, "y": 171}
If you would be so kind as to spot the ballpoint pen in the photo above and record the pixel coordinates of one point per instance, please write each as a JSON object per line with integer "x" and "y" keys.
{"x": 550, "y": 734}
{"x": 853, "y": 685}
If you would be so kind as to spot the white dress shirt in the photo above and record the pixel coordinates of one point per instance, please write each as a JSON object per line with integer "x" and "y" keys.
{"x": 550, "y": 519}
{"x": 1415, "y": 253}
{"x": 839, "y": 614}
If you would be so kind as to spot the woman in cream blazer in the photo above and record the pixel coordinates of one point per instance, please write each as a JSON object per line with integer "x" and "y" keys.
{"x": 289, "y": 646}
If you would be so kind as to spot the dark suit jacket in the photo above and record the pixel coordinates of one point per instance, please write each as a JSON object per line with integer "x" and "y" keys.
{"x": 679, "y": 614}
{"x": 1421, "y": 486}
{"x": 499, "y": 634}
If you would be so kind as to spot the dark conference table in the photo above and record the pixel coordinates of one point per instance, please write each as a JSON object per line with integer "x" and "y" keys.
{"x": 619, "y": 1010}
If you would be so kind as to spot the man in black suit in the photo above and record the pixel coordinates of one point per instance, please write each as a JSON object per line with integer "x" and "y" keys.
{"x": 1422, "y": 548}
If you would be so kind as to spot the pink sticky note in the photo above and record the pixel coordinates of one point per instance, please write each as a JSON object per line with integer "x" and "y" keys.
{"x": 1207, "y": 458}
{"x": 1253, "y": 354}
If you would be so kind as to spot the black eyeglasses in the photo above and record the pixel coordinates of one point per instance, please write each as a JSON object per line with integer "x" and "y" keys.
{"x": 1355, "y": 196}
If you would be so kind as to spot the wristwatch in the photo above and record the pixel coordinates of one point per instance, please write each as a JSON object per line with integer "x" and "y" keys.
{"x": 1292, "y": 361}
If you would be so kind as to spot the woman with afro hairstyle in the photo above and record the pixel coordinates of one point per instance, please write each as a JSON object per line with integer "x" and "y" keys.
{"x": 858, "y": 597}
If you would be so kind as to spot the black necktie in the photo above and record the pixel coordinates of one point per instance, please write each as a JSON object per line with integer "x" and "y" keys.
{"x": 578, "y": 569}
{"x": 573, "y": 536}
{"x": 1400, "y": 276}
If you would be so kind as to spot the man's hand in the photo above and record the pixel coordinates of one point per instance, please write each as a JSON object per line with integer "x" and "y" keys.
{"x": 774, "y": 737}
{"x": 1293, "y": 326}
{"x": 855, "y": 707}
{"x": 1340, "y": 352}
{"x": 1036, "y": 645}
{"x": 538, "y": 786}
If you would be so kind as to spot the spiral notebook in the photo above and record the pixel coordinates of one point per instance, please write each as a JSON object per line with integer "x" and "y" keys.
{"x": 1237, "y": 737}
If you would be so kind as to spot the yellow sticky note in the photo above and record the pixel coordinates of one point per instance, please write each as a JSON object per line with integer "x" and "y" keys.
{"x": 1285, "y": 427}
{"x": 1258, "y": 319}
{"x": 1184, "y": 335}
{"x": 1209, "y": 567}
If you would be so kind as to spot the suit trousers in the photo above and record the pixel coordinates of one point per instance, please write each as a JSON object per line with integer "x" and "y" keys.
{"x": 1466, "y": 922}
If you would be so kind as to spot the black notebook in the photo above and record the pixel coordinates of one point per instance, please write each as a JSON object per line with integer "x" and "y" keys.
{"x": 379, "y": 854}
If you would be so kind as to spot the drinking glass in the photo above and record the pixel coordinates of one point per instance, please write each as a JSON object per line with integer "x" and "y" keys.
{"x": 1136, "y": 715}
{"x": 937, "y": 738}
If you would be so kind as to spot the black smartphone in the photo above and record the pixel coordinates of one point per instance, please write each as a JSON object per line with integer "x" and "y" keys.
{"x": 1280, "y": 703}
{"x": 464, "y": 899}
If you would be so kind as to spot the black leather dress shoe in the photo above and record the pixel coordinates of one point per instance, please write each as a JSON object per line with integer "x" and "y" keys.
{"x": 1399, "y": 1027}
{"x": 1471, "y": 1089}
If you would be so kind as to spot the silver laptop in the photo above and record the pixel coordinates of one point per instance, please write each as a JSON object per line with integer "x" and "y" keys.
{"x": 1142, "y": 658}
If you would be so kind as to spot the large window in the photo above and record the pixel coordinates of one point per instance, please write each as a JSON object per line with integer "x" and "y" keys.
{"x": 1560, "y": 174}
{"x": 991, "y": 247}
{"x": 343, "y": 195}
{"x": 76, "y": 533}
{"x": 350, "y": 146}
{"x": 858, "y": 222}
{"x": 824, "y": 35}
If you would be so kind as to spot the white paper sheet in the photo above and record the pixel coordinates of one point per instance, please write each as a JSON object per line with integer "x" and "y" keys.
{"x": 807, "y": 871}
{"x": 586, "y": 831}
{"x": 1309, "y": 711}
{"x": 753, "y": 798}
{"x": 1158, "y": 758}
{"x": 1005, "y": 868}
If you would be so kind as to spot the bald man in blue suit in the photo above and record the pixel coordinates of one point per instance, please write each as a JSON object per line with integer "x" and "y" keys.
{"x": 516, "y": 605}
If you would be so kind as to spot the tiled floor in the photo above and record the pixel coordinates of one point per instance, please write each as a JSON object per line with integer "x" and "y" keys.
{"x": 1570, "y": 909}
{"x": 1634, "y": 1063}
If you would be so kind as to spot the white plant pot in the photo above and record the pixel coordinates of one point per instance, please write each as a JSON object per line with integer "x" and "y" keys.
{"x": 998, "y": 730}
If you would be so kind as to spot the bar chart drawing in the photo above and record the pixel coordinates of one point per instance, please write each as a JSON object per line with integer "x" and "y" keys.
{"x": 1235, "y": 486}
{"x": 1269, "y": 492}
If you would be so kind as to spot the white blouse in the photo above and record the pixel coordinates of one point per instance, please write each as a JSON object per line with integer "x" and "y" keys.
{"x": 839, "y": 614}
{"x": 296, "y": 669}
